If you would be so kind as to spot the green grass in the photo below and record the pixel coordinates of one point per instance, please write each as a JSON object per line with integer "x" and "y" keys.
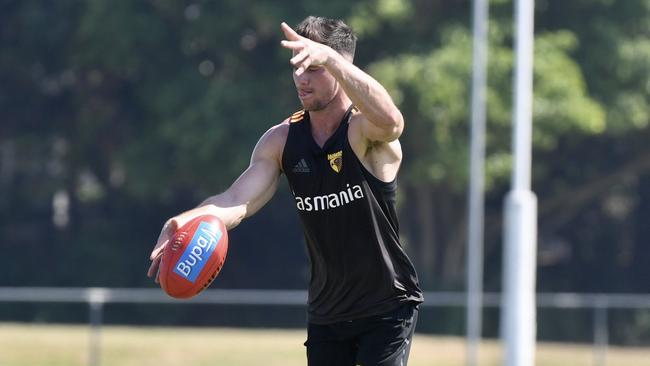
{"x": 56, "y": 345}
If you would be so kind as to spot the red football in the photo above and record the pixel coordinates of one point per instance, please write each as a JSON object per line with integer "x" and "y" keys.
{"x": 193, "y": 257}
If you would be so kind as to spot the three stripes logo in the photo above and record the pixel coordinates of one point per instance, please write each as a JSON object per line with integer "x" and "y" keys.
{"x": 301, "y": 167}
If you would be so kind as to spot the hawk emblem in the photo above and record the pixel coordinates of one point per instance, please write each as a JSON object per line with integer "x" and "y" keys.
{"x": 336, "y": 161}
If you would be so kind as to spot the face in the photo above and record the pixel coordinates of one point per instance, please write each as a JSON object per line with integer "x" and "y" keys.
{"x": 316, "y": 88}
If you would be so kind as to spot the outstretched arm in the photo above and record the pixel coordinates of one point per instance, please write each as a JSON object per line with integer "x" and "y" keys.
{"x": 250, "y": 192}
{"x": 383, "y": 120}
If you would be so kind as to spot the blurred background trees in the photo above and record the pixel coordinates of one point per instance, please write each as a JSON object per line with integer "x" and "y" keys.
{"x": 115, "y": 116}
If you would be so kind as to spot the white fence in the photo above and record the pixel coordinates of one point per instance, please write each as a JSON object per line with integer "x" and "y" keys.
{"x": 97, "y": 297}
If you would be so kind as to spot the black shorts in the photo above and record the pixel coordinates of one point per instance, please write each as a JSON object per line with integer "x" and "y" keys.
{"x": 381, "y": 340}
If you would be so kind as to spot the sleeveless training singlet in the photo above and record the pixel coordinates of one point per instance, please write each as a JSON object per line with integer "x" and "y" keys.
{"x": 358, "y": 267}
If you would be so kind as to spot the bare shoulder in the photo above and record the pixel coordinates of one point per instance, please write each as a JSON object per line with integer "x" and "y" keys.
{"x": 277, "y": 133}
{"x": 355, "y": 129}
{"x": 271, "y": 144}
{"x": 363, "y": 145}
{"x": 381, "y": 158}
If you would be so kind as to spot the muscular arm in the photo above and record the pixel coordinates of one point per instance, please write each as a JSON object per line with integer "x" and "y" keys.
{"x": 250, "y": 192}
{"x": 383, "y": 121}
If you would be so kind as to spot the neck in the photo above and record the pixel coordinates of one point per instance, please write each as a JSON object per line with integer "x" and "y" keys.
{"x": 325, "y": 121}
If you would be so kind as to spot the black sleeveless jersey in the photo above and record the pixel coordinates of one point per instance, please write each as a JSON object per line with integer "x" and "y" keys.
{"x": 358, "y": 267}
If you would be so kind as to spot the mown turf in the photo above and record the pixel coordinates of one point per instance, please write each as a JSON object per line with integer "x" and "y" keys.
{"x": 57, "y": 345}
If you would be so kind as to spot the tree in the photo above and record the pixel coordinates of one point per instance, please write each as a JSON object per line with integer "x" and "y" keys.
{"x": 433, "y": 91}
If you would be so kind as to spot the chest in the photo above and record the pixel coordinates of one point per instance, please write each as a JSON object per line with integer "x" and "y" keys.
{"x": 314, "y": 170}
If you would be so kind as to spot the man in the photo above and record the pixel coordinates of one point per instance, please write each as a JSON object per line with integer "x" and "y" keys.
{"x": 341, "y": 155}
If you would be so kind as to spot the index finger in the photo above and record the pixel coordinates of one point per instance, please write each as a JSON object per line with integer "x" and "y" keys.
{"x": 289, "y": 32}
{"x": 157, "y": 251}
{"x": 165, "y": 234}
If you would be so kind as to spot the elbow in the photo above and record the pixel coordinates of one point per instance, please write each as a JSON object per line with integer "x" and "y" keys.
{"x": 386, "y": 127}
{"x": 395, "y": 127}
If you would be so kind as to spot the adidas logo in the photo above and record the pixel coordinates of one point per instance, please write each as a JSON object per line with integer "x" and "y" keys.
{"x": 301, "y": 167}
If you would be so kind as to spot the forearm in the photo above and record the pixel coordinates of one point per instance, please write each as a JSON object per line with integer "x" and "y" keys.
{"x": 252, "y": 190}
{"x": 367, "y": 94}
{"x": 219, "y": 205}
{"x": 229, "y": 212}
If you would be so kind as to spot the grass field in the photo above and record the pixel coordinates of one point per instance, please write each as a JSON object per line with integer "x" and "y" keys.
{"x": 56, "y": 345}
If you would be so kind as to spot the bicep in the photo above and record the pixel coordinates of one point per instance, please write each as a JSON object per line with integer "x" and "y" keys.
{"x": 256, "y": 185}
{"x": 382, "y": 159}
{"x": 375, "y": 132}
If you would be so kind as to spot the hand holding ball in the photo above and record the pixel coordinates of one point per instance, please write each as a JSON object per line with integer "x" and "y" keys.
{"x": 193, "y": 257}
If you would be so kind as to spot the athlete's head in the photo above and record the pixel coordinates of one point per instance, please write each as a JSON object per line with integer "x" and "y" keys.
{"x": 330, "y": 32}
{"x": 316, "y": 86}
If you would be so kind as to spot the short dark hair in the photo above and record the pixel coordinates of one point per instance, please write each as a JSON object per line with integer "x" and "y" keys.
{"x": 330, "y": 32}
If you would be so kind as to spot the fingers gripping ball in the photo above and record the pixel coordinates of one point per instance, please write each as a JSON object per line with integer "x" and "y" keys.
{"x": 193, "y": 257}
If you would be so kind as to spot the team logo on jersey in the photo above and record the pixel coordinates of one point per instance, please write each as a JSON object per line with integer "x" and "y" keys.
{"x": 336, "y": 161}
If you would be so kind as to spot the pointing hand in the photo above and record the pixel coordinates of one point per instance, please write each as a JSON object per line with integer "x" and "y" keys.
{"x": 306, "y": 53}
